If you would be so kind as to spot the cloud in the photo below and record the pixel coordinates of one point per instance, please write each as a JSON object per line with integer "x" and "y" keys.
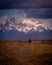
{"x": 39, "y": 13}
{"x": 25, "y": 4}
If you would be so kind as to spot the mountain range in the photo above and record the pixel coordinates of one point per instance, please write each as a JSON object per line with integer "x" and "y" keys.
{"x": 16, "y": 35}
{"x": 15, "y": 29}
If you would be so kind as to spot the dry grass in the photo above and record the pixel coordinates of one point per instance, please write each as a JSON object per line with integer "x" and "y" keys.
{"x": 18, "y": 53}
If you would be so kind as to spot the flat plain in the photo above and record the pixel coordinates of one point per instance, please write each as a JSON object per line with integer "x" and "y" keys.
{"x": 21, "y": 53}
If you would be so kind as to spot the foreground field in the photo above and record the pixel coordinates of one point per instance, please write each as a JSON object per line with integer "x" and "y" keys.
{"x": 20, "y": 53}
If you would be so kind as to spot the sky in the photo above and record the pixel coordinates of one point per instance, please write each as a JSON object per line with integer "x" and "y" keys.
{"x": 5, "y": 4}
{"x": 26, "y": 15}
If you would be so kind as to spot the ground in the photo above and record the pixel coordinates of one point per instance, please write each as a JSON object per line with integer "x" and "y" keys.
{"x": 21, "y": 53}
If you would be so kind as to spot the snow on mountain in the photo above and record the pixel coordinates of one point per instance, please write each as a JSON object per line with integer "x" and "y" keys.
{"x": 17, "y": 28}
{"x": 41, "y": 29}
{"x": 26, "y": 25}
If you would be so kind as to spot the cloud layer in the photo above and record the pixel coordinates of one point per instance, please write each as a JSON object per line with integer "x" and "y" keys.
{"x": 42, "y": 13}
{"x": 5, "y": 4}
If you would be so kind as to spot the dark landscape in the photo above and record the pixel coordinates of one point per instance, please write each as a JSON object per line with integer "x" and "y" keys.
{"x": 22, "y": 53}
{"x": 25, "y": 32}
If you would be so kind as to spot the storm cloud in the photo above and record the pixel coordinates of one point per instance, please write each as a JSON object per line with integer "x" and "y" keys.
{"x": 39, "y": 13}
{"x": 33, "y": 8}
{"x": 5, "y": 4}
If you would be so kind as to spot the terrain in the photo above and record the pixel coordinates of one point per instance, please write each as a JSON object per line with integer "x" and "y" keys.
{"x": 22, "y": 53}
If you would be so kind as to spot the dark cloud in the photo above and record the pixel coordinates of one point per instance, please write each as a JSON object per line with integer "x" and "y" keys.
{"x": 40, "y": 8}
{"x": 5, "y": 4}
{"x": 39, "y": 13}
{"x": 42, "y": 13}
